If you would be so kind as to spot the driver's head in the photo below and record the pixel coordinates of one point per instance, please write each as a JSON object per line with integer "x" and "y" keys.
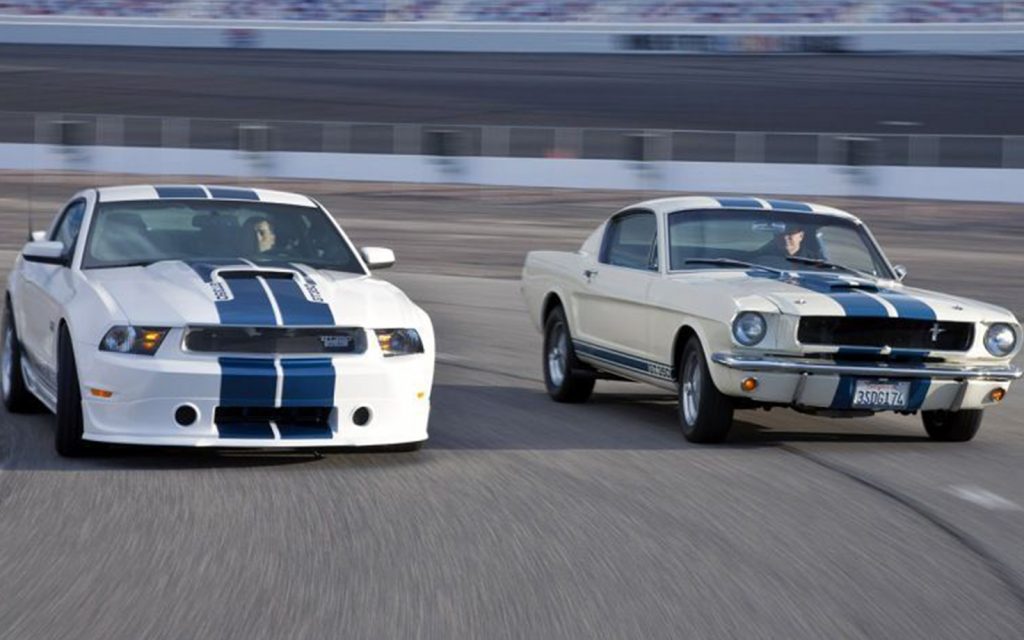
{"x": 792, "y": 240}
{"x": 265, "y": 238}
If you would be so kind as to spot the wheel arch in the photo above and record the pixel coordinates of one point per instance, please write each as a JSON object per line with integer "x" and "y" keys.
{"x": 683, "y": 335}
{"x": 551, "y": 301}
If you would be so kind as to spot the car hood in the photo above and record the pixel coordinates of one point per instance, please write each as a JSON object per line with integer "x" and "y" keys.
{"x": 176, "y": 293}
{"x": 831, "y": 294}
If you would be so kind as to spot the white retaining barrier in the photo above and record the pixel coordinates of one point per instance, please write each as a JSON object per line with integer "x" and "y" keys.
{"x": 992, "y": 38}
{"x": 932, "y": 183}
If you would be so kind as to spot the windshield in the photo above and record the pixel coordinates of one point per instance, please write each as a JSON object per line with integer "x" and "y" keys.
{"x": 144, "y": 232}
{"x": 789, "y": 241}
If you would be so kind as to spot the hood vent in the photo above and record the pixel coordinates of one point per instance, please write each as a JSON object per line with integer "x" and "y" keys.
{"x": 249, "y": 274}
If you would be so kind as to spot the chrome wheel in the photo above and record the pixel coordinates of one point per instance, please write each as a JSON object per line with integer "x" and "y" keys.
{"x": 558, "y": 354}
{"x": 692, "y": 381}
{"x": 8, "y": 360}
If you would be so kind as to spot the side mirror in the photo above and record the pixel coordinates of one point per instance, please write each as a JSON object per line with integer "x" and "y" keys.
{"x": 901, "y": 272}
{"x": 45, "y": 252}
{"x": 378, "y": 257}
{"x": 37, "y": 236}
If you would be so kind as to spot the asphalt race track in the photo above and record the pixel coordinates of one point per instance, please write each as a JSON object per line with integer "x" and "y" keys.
{"x": 523, "y": 518}
{"x": 879, "y": 94}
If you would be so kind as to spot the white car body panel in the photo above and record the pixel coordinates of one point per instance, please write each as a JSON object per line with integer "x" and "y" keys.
{"x": 148, "y": 389}
{"x": 631, "y": 323}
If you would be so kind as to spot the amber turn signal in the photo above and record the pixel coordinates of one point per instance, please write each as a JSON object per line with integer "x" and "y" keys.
{"x": 749, "y": 384}
{"x": 101, "y": 393}
{"x": 997, "y": 395}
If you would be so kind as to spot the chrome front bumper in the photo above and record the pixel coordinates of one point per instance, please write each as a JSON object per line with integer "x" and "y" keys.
{"x": 784, "y": 365}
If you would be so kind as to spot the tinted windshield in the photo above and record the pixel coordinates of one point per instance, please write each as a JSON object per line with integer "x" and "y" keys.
{"x": 130, "y": 233}
{"x": 790, "y": 241}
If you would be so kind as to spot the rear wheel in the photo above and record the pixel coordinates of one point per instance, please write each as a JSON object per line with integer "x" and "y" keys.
{"x": 565, "y": 377}
{"x": 952, "y": 426}
{"x": 704, "y": 412}
{"x": 69, "y": 440}
{"x": 17, "y": 397}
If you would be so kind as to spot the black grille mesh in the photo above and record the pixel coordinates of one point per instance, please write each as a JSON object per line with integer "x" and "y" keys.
{"x": 898, "y": 333}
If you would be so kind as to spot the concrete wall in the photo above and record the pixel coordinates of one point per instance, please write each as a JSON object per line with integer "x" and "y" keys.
{"x": 938, "y": 183}
{"x": 527, "y": 38}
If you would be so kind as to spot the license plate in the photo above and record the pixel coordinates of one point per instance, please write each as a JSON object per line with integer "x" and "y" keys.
{"x": 869, "y": 394}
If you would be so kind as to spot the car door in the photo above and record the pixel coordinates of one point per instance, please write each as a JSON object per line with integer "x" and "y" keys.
{"x": 611, "y": 303}
{"x": 47, "y": 289}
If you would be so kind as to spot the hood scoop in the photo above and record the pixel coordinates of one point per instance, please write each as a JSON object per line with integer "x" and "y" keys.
{"x": 854, "y": 286}
{"x": 250, "y": 274}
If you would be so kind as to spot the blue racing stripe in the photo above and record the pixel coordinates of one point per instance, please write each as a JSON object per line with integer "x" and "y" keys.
{"x": 907, "y": 306}
{"x": 296, "y": 309}
{"x": 789, "y": 205}
{"x": 181, "y": 192}
{"x": 843, "y": 398}
{"x": 918, "y": 392}
{"x": 205, "y": 268}
{"x": 247, "y": 382}
{"x": 249, "y": 306}
{"x": 855, "y": 304}
{"x": 308, "y": 382}
{"x": 233, "y": 193}
{"x": 739, "y": 203}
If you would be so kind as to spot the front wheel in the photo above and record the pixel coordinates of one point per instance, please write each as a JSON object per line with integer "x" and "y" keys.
{"x": 564, "y": 376}
{"x": 704, "y": 412}
{"x": 952, "y": 426}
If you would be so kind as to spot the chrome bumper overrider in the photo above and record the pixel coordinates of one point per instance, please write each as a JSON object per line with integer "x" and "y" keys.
{"x": 782, "y": 365}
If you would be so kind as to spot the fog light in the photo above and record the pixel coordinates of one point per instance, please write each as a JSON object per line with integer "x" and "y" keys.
{"x": 997, "y": 395}
{"x": 749, "y": 384}
{"x": 421, "y": 394}
{"x": 361, "y": 416}
{"x": 186, "y": 415}
{"x": 100, "y": 393}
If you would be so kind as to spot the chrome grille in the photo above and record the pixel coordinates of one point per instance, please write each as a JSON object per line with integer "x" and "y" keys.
{"x": 305, "y": 340}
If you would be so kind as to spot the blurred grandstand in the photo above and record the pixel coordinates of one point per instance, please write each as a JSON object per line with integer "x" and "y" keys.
{"x": 593, "y": 11}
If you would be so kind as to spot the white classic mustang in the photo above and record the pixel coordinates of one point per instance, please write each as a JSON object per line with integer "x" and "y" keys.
{"x": 213, "y": 316}
{"x": 745, "y": 303}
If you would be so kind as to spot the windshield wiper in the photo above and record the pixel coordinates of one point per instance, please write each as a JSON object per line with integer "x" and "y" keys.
{"x": 118, "y": 265}
{"x": 829, "y": 265}
{"x": 729, "y": 262}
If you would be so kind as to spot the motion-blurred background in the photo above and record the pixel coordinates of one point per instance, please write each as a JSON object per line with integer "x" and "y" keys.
{"x": 464, "y": 133}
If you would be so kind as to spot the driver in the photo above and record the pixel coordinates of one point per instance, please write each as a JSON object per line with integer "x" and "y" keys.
{"x": 790, "y": 242}
{"x": 266, "y": 239}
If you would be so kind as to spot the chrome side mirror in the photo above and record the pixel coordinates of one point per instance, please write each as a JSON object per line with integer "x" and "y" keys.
{"x": 900, "y": 271}
{"x": 378, "y": 257}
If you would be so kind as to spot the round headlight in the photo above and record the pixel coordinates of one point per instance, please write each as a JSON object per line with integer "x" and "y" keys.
{"x": 1000, "y": 339}
{"x": 749, "y": 328}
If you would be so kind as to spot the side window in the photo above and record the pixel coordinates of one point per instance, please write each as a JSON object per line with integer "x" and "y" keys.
{"x": 631, "y": 241}
{"x": 70, "y": 225}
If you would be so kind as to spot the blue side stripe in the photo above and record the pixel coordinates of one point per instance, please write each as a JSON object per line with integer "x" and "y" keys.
{"x": 247, "y": 382}
{"x": 789, "y": 205}
{"x": 250, "y": 305}
{"x": 739, "y": 203}
{"x": 308, "y": 382}
{"x": 181, "y": 192}
{"x": 640, "y": 365}
{"x": 233, "y": 193}
{"x": 296, "y": 309}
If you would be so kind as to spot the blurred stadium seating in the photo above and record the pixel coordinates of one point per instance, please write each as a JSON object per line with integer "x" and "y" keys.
{"x": 606, "y": 11}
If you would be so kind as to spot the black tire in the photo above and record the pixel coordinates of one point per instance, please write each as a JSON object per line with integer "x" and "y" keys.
{"x": 705, "y": 413}
{"x": 566, "y": 378}
{"x": 405, "y": 447}
{"x": 68, "y": 440}
{"x": 952, "y": 426}
{"x": 17, "y": 397}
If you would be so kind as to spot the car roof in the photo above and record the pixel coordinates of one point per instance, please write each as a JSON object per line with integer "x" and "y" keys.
{"x": 146, "y": 192}
{"x": 703, "y": 203}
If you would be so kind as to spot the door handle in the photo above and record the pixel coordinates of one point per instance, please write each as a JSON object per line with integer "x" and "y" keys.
{"x": 589, "y": 274}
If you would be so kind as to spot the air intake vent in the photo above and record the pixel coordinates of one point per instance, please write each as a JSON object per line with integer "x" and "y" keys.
{"x": 306, "y": 340}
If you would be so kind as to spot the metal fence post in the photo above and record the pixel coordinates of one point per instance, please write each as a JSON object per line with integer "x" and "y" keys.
{"x": 494, "y": 141}
{"x": 174, "y": 133}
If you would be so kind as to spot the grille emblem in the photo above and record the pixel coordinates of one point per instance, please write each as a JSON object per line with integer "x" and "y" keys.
{"x": 335, "y": 342}
{"x": 936, "y": 331}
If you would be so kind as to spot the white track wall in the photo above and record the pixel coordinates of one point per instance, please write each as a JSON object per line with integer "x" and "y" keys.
{"x": 933, "y": 183}
{"x": 519, "y": 38}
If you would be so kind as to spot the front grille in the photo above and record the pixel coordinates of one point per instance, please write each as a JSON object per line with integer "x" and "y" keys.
{"x": 275, "y": 340}
{"x": 898, "y": 333}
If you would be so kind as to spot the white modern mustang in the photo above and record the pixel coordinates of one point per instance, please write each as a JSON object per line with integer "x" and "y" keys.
{"x": 738, "y": 303}
{"x": 213, "y": 316}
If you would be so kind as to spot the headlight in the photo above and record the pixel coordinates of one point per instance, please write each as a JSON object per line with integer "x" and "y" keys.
{"x": 399, "y": 342}
{"x": 1000, "y": 339}
{"x": 138, "y": 340}
{"x": 749, "y": 328}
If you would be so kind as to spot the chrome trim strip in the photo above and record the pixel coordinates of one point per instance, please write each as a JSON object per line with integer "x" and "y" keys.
{"x": 779, "y": 365}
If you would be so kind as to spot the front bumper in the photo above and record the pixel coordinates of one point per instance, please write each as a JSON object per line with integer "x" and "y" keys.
{"x": 825, "y": 385}
{"x": 147, "y": 391}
